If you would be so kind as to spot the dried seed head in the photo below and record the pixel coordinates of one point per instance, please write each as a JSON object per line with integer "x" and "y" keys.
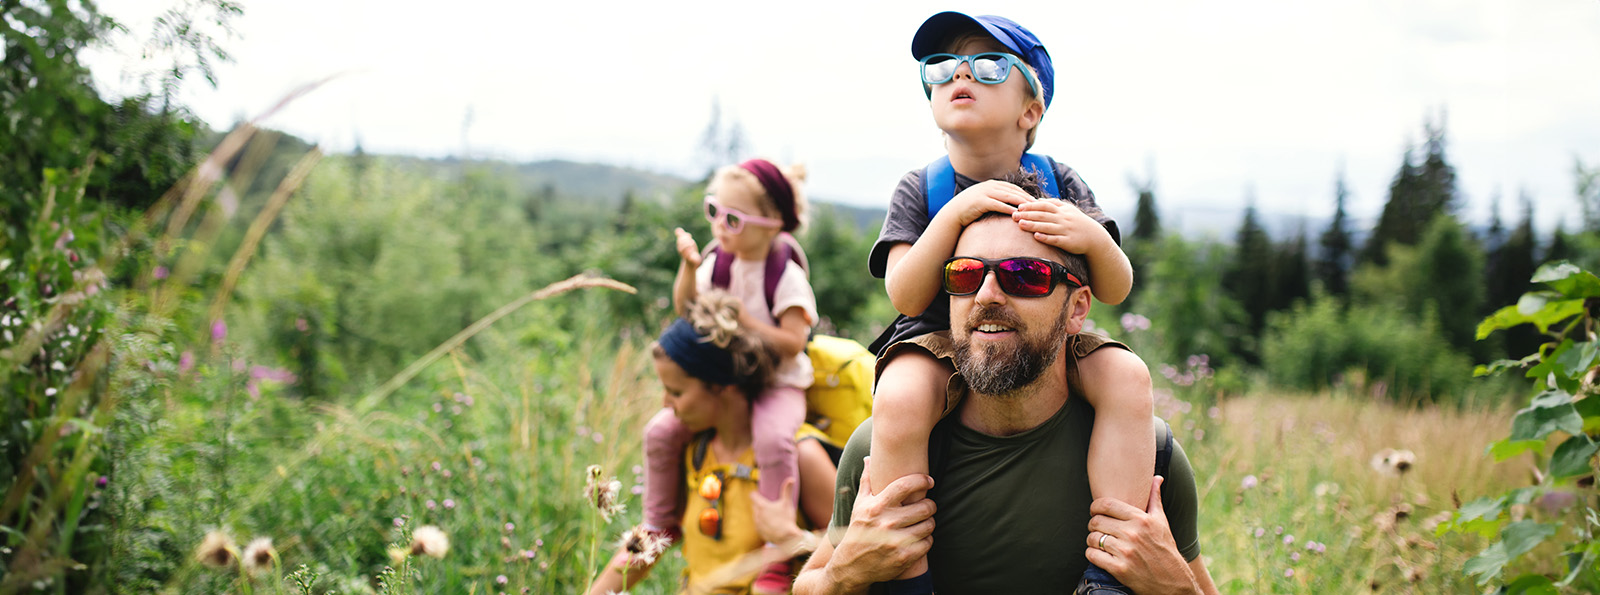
{"x": 428, "y": 540}
{"x": 217, "y": 550}
{"x": 258, "y": 555}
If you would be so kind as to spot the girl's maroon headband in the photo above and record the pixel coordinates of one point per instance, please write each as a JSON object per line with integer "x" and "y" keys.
{"x": 777, "y": 187}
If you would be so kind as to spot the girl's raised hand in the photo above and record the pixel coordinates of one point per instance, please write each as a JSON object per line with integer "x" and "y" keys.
{"x": 688, "y": 250}
{"x": 991, "y": 195}
{"x": 1061, "y": 224}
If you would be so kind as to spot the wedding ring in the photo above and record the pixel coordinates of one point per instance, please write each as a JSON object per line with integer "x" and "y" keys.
{"x": 1102, "y": 543}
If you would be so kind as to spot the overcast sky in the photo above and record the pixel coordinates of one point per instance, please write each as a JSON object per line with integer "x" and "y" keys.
{"x": 1226, "y": 100}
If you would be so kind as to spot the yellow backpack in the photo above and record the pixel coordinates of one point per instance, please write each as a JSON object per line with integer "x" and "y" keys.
{"x": 840, "y": 397}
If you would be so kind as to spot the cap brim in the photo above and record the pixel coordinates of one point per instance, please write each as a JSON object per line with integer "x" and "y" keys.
{"x": 934, "y": 31}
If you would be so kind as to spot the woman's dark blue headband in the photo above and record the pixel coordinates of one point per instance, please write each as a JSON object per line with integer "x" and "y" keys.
{"x": 699, "y": 357}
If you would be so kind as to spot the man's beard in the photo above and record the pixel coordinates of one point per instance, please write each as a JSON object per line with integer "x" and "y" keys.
{"x": 1006, "y": 368}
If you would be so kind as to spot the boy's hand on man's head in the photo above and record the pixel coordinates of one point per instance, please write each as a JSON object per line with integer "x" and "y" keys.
{"x": 688, "y": 250}
{"x": 992, "y": 195}
{"x": 1061, "y": 224}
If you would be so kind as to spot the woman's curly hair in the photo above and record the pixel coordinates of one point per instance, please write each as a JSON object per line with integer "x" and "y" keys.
{"x": 715, "y": 315}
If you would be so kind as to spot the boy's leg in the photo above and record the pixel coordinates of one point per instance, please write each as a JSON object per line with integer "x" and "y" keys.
{"x": 664, "y": 440}
{"x": 775, "y": 416}
{"x": 1122, "y": 443}
{"x": 908, "y": 401}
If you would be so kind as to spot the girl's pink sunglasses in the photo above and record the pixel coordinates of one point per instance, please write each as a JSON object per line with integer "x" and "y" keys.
{"x": 735, "y": 219}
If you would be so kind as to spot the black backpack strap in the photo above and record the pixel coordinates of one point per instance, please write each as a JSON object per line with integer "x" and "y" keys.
{"x": 702, "y": 441}
{"x": 1163, "y": 447}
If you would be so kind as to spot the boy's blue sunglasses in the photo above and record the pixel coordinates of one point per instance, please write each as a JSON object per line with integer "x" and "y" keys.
{"x": 989, "y": 68}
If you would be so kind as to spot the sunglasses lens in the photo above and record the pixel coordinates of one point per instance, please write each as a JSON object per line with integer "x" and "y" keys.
{"x": 1025, "y": 278}
{"x": 939, "y": 69}
{"x": 990, "y": 68}
{"x": 963, "y": 276}
{"x": 711, "y": 210}
{"x": 711, "y": 487}
{"x": 710, "y": 522}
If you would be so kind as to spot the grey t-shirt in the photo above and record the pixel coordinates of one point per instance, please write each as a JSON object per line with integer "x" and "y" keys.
{"x": 908, "y": 218}
{"x": 1014, "y": 510}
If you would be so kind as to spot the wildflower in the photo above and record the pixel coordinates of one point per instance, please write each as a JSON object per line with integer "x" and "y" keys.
{"x": 598, "y": 437}
{"x": 160, "y": 272}
{"x": 258, "y": 555}
{"x": 510, "y": 527}
{"x": 50, "y": 392}
{"x": 1556, "y": 501}
{"x": 430, "y": 504}
{"x": 219, "y": 330}
{"x": 1326, "y": 488}
{"x": 602, "y": 493}
{"x": 1288, "y": 539}
{"x": 216, "y": 550}
{"x": 643, "y": 544}
{"x": 449, "y": 504}
{"x": 399, "y": 522}
{"x": 300, "y": 325}
{"x": 1133, "y": 322}
{"x": 1260, "y": 531}
{"x": 102, "y": 482}
{"x": 1249, "y": 482}
{"x": 437, "y": 466}
{"x": 1288, "y": 573}
{"x": 1294, "y": 557}
{"x": 528, "y": 554}
{"x": 185, "y": 362}
{"x": 429, "y": 540}
{"x": 501, "y": 580}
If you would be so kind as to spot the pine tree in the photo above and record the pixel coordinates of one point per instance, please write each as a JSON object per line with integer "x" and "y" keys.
{"x": 1510, "y": 275}
{"x": 1560, "y": 246}
{"x": 1422, "y": 190}
{"x": 1333, "y": 265}
{"x": 1248, "y": 279}
{"x": 1291, "y": 273}
{"x": 1146, "y": 233}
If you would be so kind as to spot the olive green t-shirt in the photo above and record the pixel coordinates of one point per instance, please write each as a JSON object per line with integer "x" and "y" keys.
{"x": 1014, "y": 510}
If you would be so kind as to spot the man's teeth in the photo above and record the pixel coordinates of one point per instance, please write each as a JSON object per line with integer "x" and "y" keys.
{"x": 992, "y": 328}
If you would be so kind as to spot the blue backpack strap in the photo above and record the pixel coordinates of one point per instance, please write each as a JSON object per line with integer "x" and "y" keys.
{"x": 1046, "y": 170}
{"x": 938, "y": 184}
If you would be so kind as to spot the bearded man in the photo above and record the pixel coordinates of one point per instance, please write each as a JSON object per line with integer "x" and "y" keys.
{"x": 1009, "y": 484}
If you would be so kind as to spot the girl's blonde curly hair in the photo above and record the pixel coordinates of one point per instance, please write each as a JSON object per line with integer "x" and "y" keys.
{"x": 715, "y": 316}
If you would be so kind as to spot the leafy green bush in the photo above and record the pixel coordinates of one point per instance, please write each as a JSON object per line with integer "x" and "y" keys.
{"x": 1555, "y": 522}
{"x": 1377, "y": 349}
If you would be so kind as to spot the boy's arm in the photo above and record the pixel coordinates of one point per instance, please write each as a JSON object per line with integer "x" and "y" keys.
{"x": 1061, "y": 224}
{"x": 914, "y": 286}
{"x": 1122, "y": 445}
{"x": 683, "y": 290}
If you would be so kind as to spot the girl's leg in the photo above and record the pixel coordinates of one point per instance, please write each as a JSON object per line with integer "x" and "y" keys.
{"x": 774, "y": 418}
{"x": 664, "y": 441}
{"x": 908, "y": 401}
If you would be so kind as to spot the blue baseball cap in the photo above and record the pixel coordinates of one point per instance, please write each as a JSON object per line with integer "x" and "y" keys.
{"x": 1017, "y": 38}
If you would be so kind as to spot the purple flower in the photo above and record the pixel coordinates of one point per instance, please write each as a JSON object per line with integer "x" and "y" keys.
{"x": 102, "y": 482}
{"x": 160, "y": 272}
{"x": 1294, "y": 556}
{"x": 1288, "y": 539}
{"x": 501, "y": 579}
{"x": 219, "y": 330}
{"x": 430, "y": 504}
{"x": 510, "y": 527}
{"x": 1249, "y": 482}
{"x": 186, "y": 362}
{"x": 399, "y": 522}
{"x": 449, "y": 504}
{"x": 300, "y": 325}
{"x": 1288, "y": 572}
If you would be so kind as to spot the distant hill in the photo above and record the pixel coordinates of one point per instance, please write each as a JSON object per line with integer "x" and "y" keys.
{"x": 569, "y": 180}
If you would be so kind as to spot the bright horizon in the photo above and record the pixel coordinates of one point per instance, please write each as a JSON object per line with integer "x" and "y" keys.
{"x": 1228, "y": 102}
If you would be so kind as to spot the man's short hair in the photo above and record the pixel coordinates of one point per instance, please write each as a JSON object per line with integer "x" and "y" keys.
{"x": 1032, "y": 182}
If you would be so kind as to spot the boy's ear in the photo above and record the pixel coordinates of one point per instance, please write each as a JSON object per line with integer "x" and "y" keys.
{"x": 1031, "y": 115}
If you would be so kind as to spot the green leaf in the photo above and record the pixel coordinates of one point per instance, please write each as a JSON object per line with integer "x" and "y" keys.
{"x": 1577, "y": 361}
{"x": 1589, "y": 409}
{"x": 1549, "y": 412}
{"x": 1568, "y": 279}
{"x": 1551, "y": 312}
{"x": 1522, "y": 536}
{"x": 1481, "y": 516}
{"x": 1499, "y": 366}
{"x": 1488, "y": 563}
{"x": 1572, "y": 457}
{"x": 1507, "y": 448}
{"x": 1547, "y": 365}
{"x": 1531, "y": 584}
